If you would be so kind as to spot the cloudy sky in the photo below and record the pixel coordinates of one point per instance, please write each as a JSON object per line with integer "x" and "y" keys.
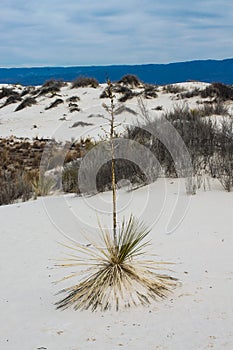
{"x": 98, "y": 32}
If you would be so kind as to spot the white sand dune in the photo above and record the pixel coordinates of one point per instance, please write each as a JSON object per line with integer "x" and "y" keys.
{"x": 197, "y": 315}
{"x": 57, "y": 122}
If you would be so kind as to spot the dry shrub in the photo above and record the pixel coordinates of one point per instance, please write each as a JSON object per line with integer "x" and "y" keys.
{"x": 214, "y": 108}
{"x": 85, "y": 82}
{"x": 130, "y": 80}
{"x": 218, "y": 90}
{"x": 150, "y": 91}
{"x": 13, "y": 187}
{"x": 173, "y": 89}
{"x": 127, "y": 96}
{"x": 50, "y": 87}
{"x": 54, "y": 104}
{"x": 126, "y": 92}
{"x": 11, "y": 99}
{"x": 73, "y": 99}
{"x": 191, "y": 93}
{"x": 221, "y": 163}
{"x": 58, "y": 84}
{"x": 80, "y": 123}
{"x": 27, "y": 102}
{"x": 42, "y": 185}
{"x": 7, "y": 92}
{"x": 70, "y": 177}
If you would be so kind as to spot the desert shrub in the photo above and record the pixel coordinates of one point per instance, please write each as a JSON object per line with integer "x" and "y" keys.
{"x": 215, "y": 108}
{"x": 123, "y": 109}
{"x": 143, "y": 136}
{"x": 58, "y": 84}
{"x": 12, "y": 99}
{"x": 14, "y": 186}
{"x": 73, "y": 107}
{"x": 104, "y": 94}
{"x": 191, "y": 93}
{"x": 210, "y": 144}
{"x": 158, "y": 108}
{"x": 47, "y": 90}
{"x": 121, "y": 89}
{"x": 70, "y": 177}
{"x": 54, "y": 104}
{"x": 173, "y": 89}
{"x": 221, "y": 163}
{"x": 189, "y": 122}
{"x": 222, "y": 169}
{"x": 73, "y": 99}
{"x": 95, "y": 115}
{"x": 130, "y": 80}
{"x": 42, "y": 185}
{"x": 7, "y": 92}
{"x": 124, "y": 169}
{"x": 117, "y": 88}
{"x": 197, "y": 133}
{"x": 28, "y": 90}
{"x": 80, "y": 123}
{"x": 55, "y": 159}
{"x": 150, "y": 91}
{"x": 27, "y": 102}
{"x": 218, "y": 90}
{"x": 50, "y": 87}
{"x": 127, "y": 96}
{"x": 85, "y": 82}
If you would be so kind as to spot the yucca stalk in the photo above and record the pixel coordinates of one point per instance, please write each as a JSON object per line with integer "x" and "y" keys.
{"x": 114, "y": 272}
{"x": 115, "y": 276}
{"x": 111, "y": 136}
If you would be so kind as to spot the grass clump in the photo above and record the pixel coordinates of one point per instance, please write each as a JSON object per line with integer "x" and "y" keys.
{"x": 85, "y": 82}
{"x": 50, "y": 87}
{"x": 125, "y": 91}
{"x": 12, "y": 99}
{"x": 173, "y": 89}
{"x": 42, "y": 185}
{"x": 130, "y": 80}
{"x": 27, "y": 102}
{"x": 219, "y": 91}
{"x": 54, "y": 104}
{"x": 13, "y": 187}
{"x": 70, "y": 177}
{"x": 150, "y": 91}
{"x": 7, "y": 92}
{"x": 115, "y": 274}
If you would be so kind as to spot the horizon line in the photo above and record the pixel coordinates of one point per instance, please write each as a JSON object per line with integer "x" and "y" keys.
{"x": 115, "y": 64}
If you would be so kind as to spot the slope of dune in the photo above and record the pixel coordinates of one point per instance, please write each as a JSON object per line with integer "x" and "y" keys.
{"x": 197, "y": 315}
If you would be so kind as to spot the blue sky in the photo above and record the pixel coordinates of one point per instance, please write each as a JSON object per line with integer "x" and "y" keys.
{"x": 85, "y": 32}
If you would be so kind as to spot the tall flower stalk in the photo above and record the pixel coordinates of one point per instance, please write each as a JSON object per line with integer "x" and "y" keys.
{"x": 112, "y": 134}
{"x": 115, "y": 271}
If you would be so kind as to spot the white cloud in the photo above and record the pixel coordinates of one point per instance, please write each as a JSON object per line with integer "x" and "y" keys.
{"x": 88, "y": 32}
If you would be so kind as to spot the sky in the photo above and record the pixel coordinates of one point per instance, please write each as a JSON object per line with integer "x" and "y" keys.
{"x": 97, "y": 32}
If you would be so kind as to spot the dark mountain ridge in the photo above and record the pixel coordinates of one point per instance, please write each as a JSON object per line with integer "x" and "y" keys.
{"x": 201, "y": 70}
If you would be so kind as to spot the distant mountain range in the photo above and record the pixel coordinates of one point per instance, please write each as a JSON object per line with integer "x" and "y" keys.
{"x": 203, "y": 70}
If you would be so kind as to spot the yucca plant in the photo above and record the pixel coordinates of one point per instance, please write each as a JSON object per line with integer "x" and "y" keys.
{"x": 115, "y": 275}
{"x": 115, "y": 272}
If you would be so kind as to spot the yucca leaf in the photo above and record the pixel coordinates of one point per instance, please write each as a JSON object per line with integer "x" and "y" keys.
{"x": 114, "y": 274}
